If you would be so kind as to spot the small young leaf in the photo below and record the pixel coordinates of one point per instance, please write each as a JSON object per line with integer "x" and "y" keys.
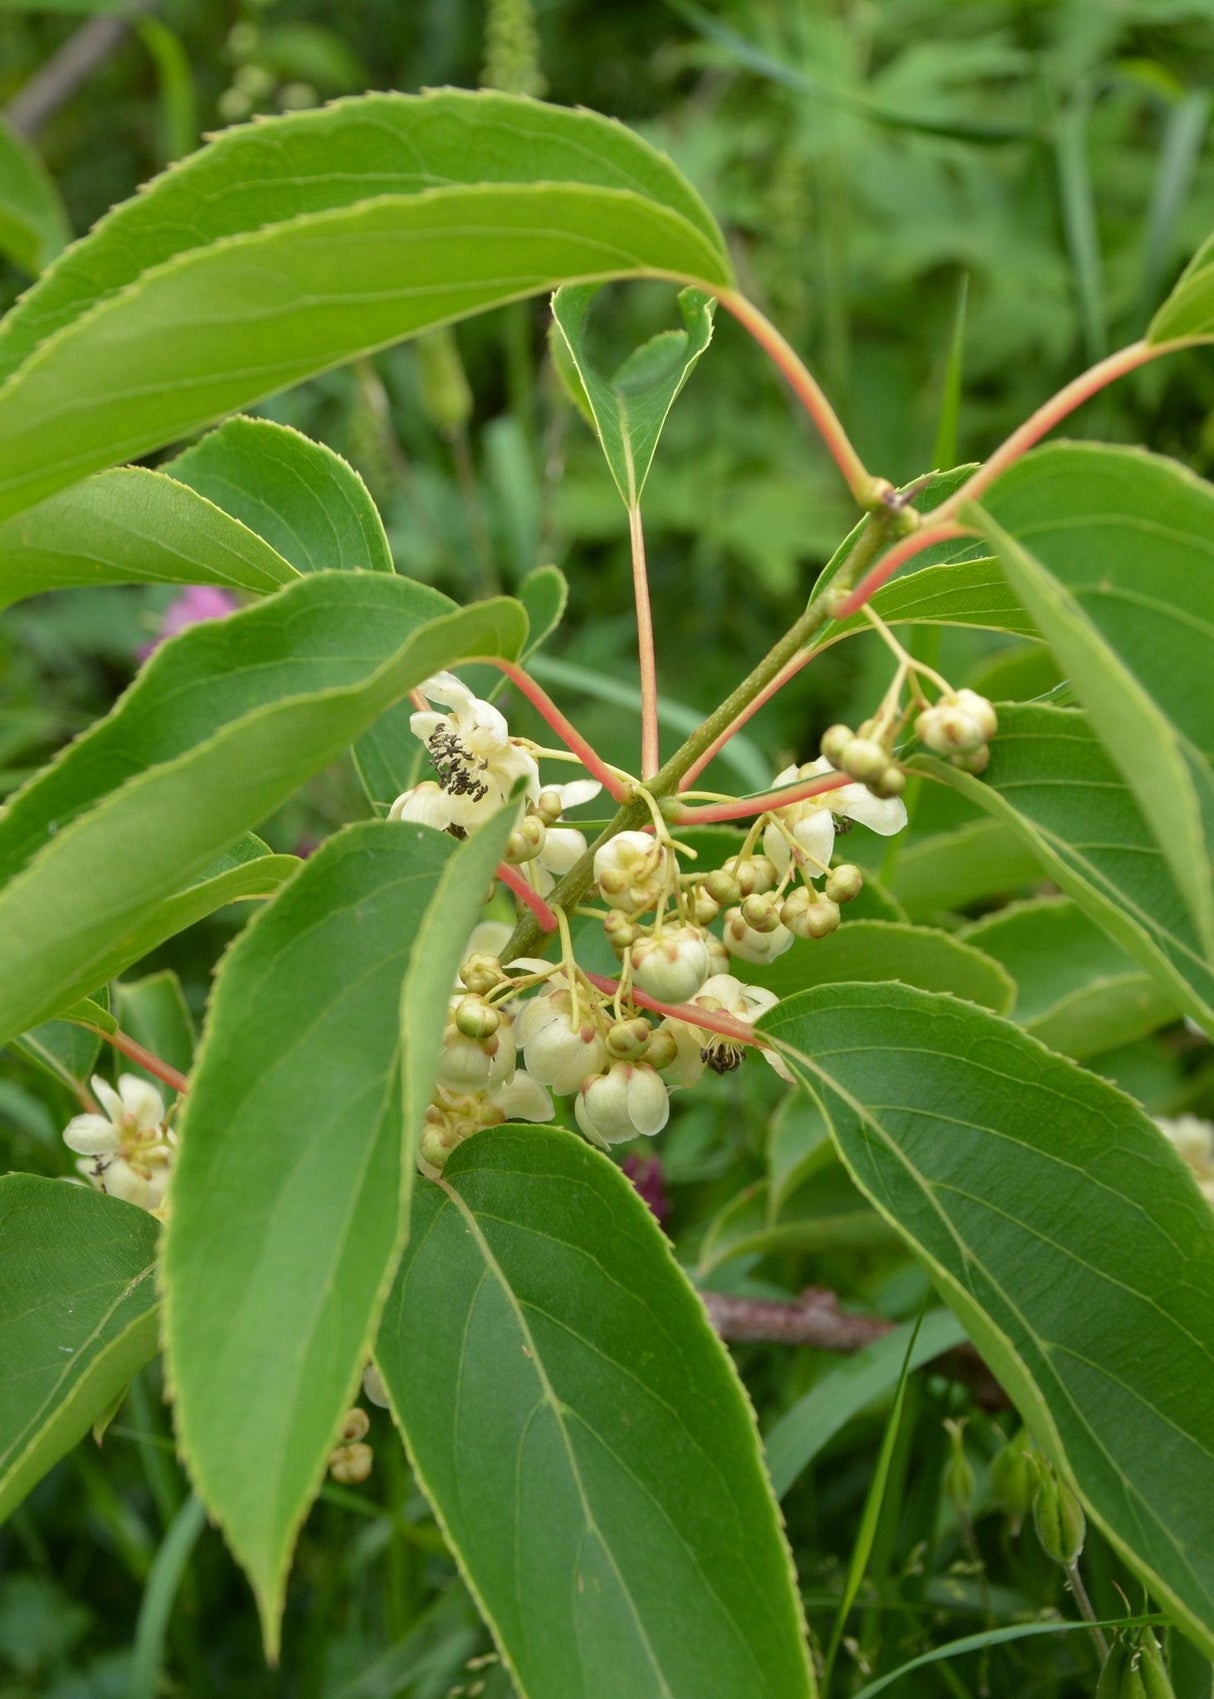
{"x": 77, "y": 1318}
{"x": 132, "y": 526}
{"x": 305, "y": 500}
{"x": 1189, "y": 309}
{"x": 290, "y": 1193}
{"x": 581, "y": 1435}
{"x": 993, "y": 1157}
{"x": 543, "y": 592}
{"x": 628, "y": 409}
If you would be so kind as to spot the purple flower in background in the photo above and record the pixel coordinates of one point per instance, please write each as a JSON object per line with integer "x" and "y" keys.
{"x": 645, "y": 1172}
{"x": 194, "y": 605}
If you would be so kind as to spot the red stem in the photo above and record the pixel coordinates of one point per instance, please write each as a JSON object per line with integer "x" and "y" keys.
{"x": 746, "y": 807}
{"x": 790, "y": 669}
{"x": 906, "y": 549}
{"x": 866, "y": 489}
{"x": 714, "y": 1019}
{"x": 564, "y": 729}
{"x": 651, "y": 758}
{"x": 514, "y": 881}
{"x": 145, "y": 1058}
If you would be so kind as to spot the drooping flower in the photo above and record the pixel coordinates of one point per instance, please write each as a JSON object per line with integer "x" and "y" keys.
{"x": 813, "y": 822}
{"x": 629, "y": 1099}
{"x": 704, "y": 1047}
{"x": 127, "y": 1152}
{"x": 558, "y": 1053}
{"x": 453, "y": 1116}
{"x": 631, "y": 871}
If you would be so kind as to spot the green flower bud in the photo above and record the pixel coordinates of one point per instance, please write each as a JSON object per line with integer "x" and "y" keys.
{"x": 1134, "y": 1668}
{"x": 762, "y": 911}
{"x": 723, "y": 888}
{"x": 526, "y": 841}
{"x": 621, "y": 932}
{"x": 1014, "y": 1479}
{"x": 864, "y": 760}
{"x": 549, "y": 807}
{"x": 959, "y": 1479}
{"x": 892, "y": 782}
{"x": 481, "y": 972}
{"x": 446, "y": 398}
{"x": 754, "y": 874}
{"x": 1057, "y": 1517}
{"x": 843, "y": 883}
{"x": 973, "y": 761}
{"x": 475, "y": 1018}
{"x": 704, "y": 906}
{"x": 834, "y": 741}
{"x": 628, "y": 1041}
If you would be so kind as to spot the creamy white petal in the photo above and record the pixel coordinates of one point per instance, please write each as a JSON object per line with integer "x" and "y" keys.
{"x": 882, "y": 814}
{"x": 523, "y": 1099}
{"x": 141, "y": 1099}
{"x": 563, "y": 847}
{"x": 576, "y": 792}
{"x": 91, "y": 1135}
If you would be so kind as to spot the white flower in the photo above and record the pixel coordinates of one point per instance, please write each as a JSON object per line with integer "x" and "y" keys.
{"x": 477, "y": 762}
{"x": 557, "y": 1053}
{"x": 631, "y": 871}
{"x": 700, "y": 1047}
{"x": 1193, "y": 1139}
{"x": 672, "y": 964}
{"x": 750, "y": 945}
{"x": 127, "y": 1152}
{"x": 468, "y": 1063}
{"x": 629, "y": 1099}
{"x": 812, "y": 822}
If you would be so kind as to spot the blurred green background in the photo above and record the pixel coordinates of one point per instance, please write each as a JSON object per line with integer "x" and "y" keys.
{"x": 950, "y": 207}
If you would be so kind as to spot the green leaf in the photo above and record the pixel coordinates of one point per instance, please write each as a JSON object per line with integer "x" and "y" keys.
{"x": 63, "y": 1048}
{"x": 1051, "y": 779}
{"x": 285, "y": 248}
{"x": 543, "y": 593}
{"x": 308, "y": 503}
{"x": 1064, "y": 1232}
{"x": 307, "y": 1165}
{"x": 628, "y": 409}
{"x": 222, "y": 725}
{"x": 864, "y": 950}
{"x": 949, "y": 871}
{"x": 1189, "y": 309}
{"x": 965, "y": 592}
{"x": 1110, "y": 550}
{"x": 813, "y": 1421}
{"x": 581, "y": 1434}
{"x": 1076, "y": 989}
{"x": 132, "y": 526}
{"x": 153, "y": 1011}
{"x": 826, "y": 1213}
{"x": 33, "y": 221}
{"x": 77, "y": 1318}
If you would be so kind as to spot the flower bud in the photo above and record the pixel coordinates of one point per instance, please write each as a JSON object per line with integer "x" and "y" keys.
{"x": 557, "y": 1053}
{"x": 843, "y": 883}
{"x": 749, "y": 945}
{"x": 961, "y": 722}
{"x": 1134, "y": 1668}
{"x": 959, "y": 1479}
{"x": 762, "y": 912}
{"x": 526, "y": 841}
{"x": 973, "y": 761}
{"x": 549, "y": 806}
{"x": 621, "y": 932}
{"x": 864, "y": 760}
{"x": 835, "y": 740}
{"x": 351, "y": 1464}
{"x": 1014, "y": 1479}
{"x": 481, "y": 972}
{"x": 631, "y": 870}
{"x": 1057, "y": 1517}
{"x": 628, "y": 1041}
{"x": 672, "y": 964}
{"x": 355, "y": 1424}
{"x": 704, "y": 907}
{"x": 892, "y": 782}
{"x": 663, "y": 1047}
{"x": 809, "y": 915}
{"x": 752, "y": 873}
{"x": 471, "y": 1063}
{"x": 629, "y": 1099}
{"x": 475, "y": 1018}
{"x": 723, "y": 888}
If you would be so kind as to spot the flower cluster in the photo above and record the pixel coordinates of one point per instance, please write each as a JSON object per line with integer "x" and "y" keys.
{"x": 127, "y": 1152}
{"x": 517, "y": 1031}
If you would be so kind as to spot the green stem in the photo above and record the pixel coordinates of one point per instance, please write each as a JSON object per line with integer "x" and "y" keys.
{"x": 528, "y": 938}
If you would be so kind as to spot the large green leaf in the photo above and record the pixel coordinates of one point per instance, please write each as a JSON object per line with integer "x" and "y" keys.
{"x": 826, "y": 1213}
{"x": 1189, "y": 309}
{"x": 1064, "y": 1231}
{"x": 290, "y": 1195}
{"x": 33, "y": 222}
{"x": 964, "y": 592}
{"x": 1076, "y": 989}
{"x": 286, "y": 248}
{"x": 582, "y": 1437}
{"x": 1112, "y": 552}
{"x": 1051, "y": 779}
{"x": 306, "y": 501}
{"x": 132, "y": 526}
{"x": 77, "y": 1318}
{"x": 888, "y": 949}
{"x": 628, "y": 409}
{"x": 223, "y": 724}
{"x": 949, "y": 871}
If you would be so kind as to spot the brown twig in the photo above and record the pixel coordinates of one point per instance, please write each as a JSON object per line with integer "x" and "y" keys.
{"x": 64, "y": 72}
